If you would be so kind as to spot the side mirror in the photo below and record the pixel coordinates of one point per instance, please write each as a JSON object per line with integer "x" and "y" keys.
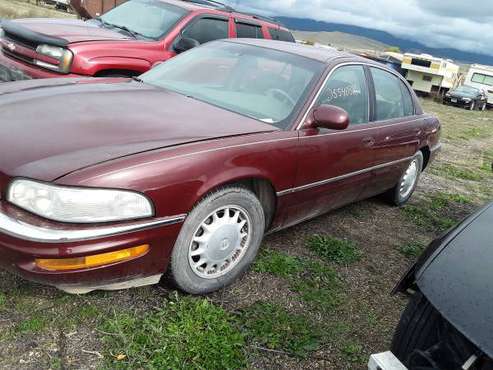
{"x": 329, "y": 117}
{"x": 184, "y": 43}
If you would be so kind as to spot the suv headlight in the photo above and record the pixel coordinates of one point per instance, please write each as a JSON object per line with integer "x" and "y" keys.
{"x": 63, "y": 56}
{"x": 466, "y": 100}
{"x": 78, "y": 205}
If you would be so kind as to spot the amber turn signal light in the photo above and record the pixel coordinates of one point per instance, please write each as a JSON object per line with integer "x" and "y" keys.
{"x": 79, "y": 263}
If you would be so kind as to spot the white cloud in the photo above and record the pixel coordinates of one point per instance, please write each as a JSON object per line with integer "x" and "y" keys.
{"x": 459, "y": 24}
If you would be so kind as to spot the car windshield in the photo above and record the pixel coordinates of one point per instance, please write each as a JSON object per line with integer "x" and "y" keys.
{"x": 467, "y": 90}
{"x": 148, "y": 18}
{"x": 261, "y": 83}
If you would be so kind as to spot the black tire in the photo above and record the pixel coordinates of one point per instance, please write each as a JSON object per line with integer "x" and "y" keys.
{"x": 180, "y": 269}
{"x": 423, "y": 336}
{"x": 394, "y": 196}
{"x": 417, "y": 329}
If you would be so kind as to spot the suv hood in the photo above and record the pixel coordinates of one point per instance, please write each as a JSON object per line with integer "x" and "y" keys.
{"x": 52, "y": 127}
{"x": 72, "y": 30}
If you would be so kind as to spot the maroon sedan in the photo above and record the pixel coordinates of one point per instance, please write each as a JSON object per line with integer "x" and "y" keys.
{"x": 109, "y": 183}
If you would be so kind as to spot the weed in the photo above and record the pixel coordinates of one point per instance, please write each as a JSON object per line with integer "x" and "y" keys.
{"x": 342, "y": 252}
{"x": 3, "y": 300}
{"x": 271, "y": 326}
{"x": 185, "y": 333}
{"x": 353, "y": 353}
{"x": 455, "y": 172}
{"x": 277, "y": 263}
{"x": 32, "y": 325}
{"x": 317, "y": 283}
{"x": 412, "y": 249}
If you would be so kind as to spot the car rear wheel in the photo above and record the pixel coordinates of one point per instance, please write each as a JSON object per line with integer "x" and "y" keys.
{"x": 218, "y": 241}
{"x": 405, "y": 187}
{"x": 425, "y": 340}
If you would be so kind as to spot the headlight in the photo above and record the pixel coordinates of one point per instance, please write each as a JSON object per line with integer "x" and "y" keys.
{"x": 63, "y": 56}
{"x": 467, "y": 100}
{"x": 78, "y": 205}
{"x": 2, "y": 33}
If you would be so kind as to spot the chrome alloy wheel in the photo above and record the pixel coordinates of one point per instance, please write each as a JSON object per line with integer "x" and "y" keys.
{"x": 409, "y": 179}
{"x": 220, "y": 242}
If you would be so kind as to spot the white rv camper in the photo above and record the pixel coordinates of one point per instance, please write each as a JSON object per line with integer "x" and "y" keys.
{"x": 481, "y": 77}
{"x": 430, "y": 75}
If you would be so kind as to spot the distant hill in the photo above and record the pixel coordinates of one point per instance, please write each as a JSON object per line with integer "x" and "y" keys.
{"x": 341, "y": 39}
{"x": 304, "y": 24}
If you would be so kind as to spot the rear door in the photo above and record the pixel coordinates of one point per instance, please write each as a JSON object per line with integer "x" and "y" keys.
{"x": 247, "y": 29}
{"x": 398, "y": 129}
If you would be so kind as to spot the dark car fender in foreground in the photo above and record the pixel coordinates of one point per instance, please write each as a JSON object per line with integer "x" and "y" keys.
{"x": 456, "y": 276}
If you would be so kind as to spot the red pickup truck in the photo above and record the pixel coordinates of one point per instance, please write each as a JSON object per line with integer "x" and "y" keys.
{"x": 126, "y": 41}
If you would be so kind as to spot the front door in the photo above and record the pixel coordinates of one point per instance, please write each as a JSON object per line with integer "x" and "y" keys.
{"x": 334, "y": 166}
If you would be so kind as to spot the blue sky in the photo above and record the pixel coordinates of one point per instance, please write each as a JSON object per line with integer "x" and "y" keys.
{"x": 462, "y": 24}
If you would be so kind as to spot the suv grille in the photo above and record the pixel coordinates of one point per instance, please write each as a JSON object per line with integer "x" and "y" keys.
{"x": 23, "y": 49}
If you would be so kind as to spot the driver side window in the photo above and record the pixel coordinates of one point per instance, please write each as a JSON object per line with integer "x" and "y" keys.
{"x": 207, "y": 29}
{"x": 347, "y": 89}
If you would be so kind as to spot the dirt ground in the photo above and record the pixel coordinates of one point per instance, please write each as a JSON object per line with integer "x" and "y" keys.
{"x": 43, "y": 328}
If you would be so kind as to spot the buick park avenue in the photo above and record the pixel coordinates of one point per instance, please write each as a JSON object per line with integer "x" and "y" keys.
{"x": 109, "y": 183}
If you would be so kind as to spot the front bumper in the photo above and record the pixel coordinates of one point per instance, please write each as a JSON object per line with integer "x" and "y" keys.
{"x": 15, "y": 70}
{"x": 457, "y": 102}
{"x": 25, "y": 237}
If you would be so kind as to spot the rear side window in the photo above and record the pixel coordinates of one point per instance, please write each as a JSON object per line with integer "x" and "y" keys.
{"x": 391, "y": 98}
{"x": 207, "y": 29}
{"x": 347, "y": 89}
{"x": 249, "y": 31}
{"x": 281, "y": 35}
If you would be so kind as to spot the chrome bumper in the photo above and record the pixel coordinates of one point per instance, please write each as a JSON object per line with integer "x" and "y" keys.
{"x": 71, "y": 233}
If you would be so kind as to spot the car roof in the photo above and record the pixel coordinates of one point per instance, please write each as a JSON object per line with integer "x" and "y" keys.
{"x": 191, "y": 6}
{"x": 324, "y": 55}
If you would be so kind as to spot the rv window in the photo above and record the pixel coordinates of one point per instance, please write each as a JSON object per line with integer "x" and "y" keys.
{"x": 421, "y": 63}
{"x": 427, "y": 78}
{"x": 482, "y": 79}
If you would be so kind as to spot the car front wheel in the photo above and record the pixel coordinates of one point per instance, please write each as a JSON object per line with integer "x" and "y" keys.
{"x": 218, "y": 241}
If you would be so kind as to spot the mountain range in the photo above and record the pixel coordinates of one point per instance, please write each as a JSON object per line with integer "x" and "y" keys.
{"x": 311, "y": 25}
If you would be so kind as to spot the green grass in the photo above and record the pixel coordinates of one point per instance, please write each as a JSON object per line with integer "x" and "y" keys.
{"x": 412, "y": 249}
{"x": 342, "y": 252}
{"x": 353, "y": 353}
{"x": 3, "y": 300}
{"x": 317, "y": 283}
{"x": 436, "y": 213}
{"x": 32, "y": 325}
{"x": 455, "y": 172}
{"x": 185, "y": 333}
{"x": 277, "y": 263}
{"x": 271, "y": 326}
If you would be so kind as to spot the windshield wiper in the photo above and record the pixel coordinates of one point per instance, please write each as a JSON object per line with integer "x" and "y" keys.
{"x": 123, "y": 28}
{"x": 135, "y": 78}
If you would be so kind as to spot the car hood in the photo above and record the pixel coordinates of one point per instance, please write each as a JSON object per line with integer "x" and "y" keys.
{"x": 53, "y": 127}
{"x": 72, "y": 30}
{"x": 457, "y": 278}
{"x": 456, "y": 94}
